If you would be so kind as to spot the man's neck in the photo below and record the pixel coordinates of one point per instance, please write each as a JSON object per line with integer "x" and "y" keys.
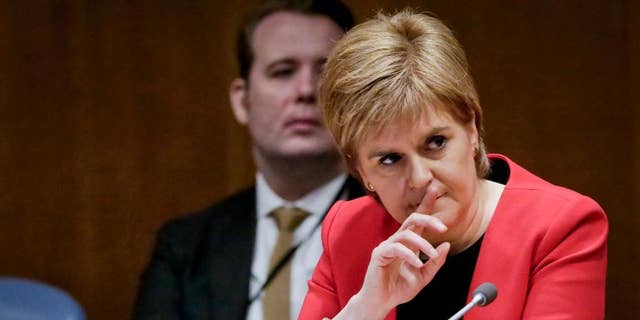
{"x": 293, "y": 178}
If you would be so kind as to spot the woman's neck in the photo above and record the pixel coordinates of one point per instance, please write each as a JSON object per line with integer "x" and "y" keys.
{"x": 480, "y": 214}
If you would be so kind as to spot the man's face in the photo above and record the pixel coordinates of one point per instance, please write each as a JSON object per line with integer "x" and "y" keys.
{"x": 278, "y": 103}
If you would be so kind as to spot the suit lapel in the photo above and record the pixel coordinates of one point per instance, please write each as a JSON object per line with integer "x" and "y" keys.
{"x": 217, "y": 284}
{"x": 230, "y": 269}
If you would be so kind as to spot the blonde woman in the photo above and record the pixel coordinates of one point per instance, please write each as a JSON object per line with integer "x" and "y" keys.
{"x": 401, "y": 104}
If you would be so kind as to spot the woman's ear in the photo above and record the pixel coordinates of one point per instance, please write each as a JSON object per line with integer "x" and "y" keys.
{"x": 363, "y": 176}
{"x": 238, "y": 97}
{"x": 472, "y": 132}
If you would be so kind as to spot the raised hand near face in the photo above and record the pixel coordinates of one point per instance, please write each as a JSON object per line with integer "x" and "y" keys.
{"x": 395, "y": 273}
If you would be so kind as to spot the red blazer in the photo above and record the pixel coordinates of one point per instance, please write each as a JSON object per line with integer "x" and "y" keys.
{"x": 545, "y": 250}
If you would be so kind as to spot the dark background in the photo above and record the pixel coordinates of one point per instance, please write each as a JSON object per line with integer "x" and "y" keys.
{"x": 114, "y": 117}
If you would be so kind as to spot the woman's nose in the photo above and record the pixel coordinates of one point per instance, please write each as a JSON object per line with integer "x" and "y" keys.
{"x": 420, "y": 175}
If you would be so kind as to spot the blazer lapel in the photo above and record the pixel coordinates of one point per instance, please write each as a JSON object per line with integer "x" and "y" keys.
{"x": 218, "y": 282}
{"x": 230, "y": 268}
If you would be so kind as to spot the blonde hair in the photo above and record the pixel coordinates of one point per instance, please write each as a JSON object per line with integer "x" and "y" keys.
{"x": 397, "y": 67}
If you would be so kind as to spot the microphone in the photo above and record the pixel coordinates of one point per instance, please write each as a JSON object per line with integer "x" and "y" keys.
{"x": 482, "y": 296}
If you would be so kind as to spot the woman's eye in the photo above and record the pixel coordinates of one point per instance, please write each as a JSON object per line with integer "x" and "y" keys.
{"x": 436, "y": 143}
{"x": 389, "y": 159}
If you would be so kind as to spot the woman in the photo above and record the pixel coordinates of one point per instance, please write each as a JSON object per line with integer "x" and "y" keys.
{"x": 403, "y": 109}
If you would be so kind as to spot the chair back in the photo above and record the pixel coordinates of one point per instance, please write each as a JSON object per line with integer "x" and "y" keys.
{"x": 25, "y": 299}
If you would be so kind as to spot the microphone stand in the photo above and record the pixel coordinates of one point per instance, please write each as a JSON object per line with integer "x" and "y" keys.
{"x": 477, "y": 298}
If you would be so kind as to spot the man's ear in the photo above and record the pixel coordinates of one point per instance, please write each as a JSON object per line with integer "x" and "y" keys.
{"x": 238, "y": 98}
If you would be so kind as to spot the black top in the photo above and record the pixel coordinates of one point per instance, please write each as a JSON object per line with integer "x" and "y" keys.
{"x": 447, "y": 292}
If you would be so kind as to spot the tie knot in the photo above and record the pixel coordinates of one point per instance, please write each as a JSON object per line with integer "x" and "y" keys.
{"x": 288, "y": 219}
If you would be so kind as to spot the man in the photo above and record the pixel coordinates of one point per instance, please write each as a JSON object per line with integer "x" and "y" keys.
{"x": 231, "y": 261}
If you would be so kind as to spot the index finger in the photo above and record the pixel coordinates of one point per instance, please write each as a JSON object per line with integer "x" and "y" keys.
{"x": 427, "y": 202}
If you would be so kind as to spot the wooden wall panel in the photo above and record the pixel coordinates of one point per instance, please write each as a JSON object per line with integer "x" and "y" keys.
{"x": 629, "y": 283}
{"x": 114, "y": 117}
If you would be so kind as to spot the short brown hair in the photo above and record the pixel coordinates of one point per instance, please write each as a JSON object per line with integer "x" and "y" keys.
{"x": 335, "y": 10}
{"x": 393, "y": 67}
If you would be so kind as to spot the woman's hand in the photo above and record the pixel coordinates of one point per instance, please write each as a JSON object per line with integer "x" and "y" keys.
{"x": 395, "y": 273}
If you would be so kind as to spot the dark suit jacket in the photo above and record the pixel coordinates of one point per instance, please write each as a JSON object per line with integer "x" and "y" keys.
{"x": 201, "y": 264}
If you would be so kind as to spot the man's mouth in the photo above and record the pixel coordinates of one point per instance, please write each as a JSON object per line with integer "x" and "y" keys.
{"x": 303, "y": 123}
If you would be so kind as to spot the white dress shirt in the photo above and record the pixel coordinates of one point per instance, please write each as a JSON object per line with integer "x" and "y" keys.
{"x": 305, "y": 258}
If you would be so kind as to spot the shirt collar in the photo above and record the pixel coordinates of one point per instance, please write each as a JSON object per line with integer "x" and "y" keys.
{"x": 317, "y": 202}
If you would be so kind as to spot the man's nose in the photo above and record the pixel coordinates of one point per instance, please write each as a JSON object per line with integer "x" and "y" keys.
{"x": 307, "y": 85}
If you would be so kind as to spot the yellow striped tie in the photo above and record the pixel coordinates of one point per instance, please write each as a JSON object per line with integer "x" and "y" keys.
{"x": 276, "y": 301}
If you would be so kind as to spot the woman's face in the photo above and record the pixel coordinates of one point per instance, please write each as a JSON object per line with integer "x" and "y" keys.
{"x": 433, "y": 153}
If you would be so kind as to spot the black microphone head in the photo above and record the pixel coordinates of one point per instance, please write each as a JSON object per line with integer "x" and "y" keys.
{"x": 488, "y": 291}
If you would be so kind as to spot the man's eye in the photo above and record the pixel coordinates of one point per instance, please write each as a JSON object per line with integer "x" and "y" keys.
{"x": 436, "y": 142}
{"x": 281, "y": 73}
{"x": 389, "y": 159}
